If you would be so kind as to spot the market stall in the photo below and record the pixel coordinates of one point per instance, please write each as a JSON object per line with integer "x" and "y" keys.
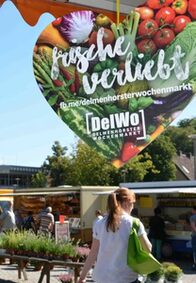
{"x": 77, "y": 205}
{"x": 176, "y": 200}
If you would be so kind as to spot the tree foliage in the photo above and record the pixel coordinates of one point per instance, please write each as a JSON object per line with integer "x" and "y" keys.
{"x": 162, "y": 152}
{"x": 139, "y": 167}
{"x": 85, "y": 166}
{"x": 39, "y": 180}
{"x": 88, "y": 167}
{"x": 180, "y": 135}
{"x": 57, "y": 165}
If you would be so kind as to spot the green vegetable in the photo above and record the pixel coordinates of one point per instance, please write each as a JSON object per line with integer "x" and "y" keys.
{"x": 107, "y": 64}
{"x": 187, "y": 41}
{"x": 135, "y": 88}
{"x": 144, "y": 102}
{"x": 133, "y": 105}
{"x": 140, "y": 103}
{"x": 128, "y": 29}
{"x": 111, "y": 109}
{"x": 75, "y": 118}
{"x": 101, "y": 93}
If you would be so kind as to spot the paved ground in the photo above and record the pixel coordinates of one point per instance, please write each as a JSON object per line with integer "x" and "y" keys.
{"x": 8, "y": 273}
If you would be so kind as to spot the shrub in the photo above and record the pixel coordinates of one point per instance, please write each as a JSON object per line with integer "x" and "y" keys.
{"x": 156, "y": 275}
{"x": 173, "y": 273}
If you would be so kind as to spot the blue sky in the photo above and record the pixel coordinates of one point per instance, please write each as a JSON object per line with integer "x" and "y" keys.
{"x": 28, "y": 126}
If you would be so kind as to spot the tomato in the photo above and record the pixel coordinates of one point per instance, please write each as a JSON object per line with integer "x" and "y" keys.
{"x": 163, "y": 37}
{"x": 192, "y": 8}
{"x": 57, "y": 22}
{"x": 165, "y": 15}
{"x": 158, "y": 4}
{"x": 148, "y": 28}
{"x": 128, "y": 151}
{"x": 180, "y": 6}
{"x": 146, "y": 46}
{"x": 180, "y": 23}
{"x": 108, "y": 37}
{"x": 145, "y": 13}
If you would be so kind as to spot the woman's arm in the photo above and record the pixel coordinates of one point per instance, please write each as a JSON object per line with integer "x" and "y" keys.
{"x": 90, "y": 260}
{"x": 145, "y": 242}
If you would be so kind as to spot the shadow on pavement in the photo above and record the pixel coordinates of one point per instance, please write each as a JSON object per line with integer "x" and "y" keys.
{"x": 6, "y": 281}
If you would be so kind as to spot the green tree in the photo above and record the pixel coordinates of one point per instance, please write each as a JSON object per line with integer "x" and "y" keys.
{"x": 162, "y": 152}
{"x": 57, "y": 165}
{"x": 137, "y": 168}
{"x": 180, "y": 135}
{"x": 88, "y": 167}
{"x": 39, "y": 180}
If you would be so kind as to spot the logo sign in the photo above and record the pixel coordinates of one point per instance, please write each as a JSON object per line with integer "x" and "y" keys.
{"x": 119, "y": 86}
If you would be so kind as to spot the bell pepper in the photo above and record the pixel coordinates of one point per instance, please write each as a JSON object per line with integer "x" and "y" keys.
{"x": 128, "y": 151}
{"x": 180, "y": 6}
{"x": 107, "y": 64}
{"x": 192, "y": 8}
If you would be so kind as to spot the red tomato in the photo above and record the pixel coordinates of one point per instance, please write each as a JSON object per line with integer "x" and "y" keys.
{"x": 165, "y": 15}
{"x": 163, "y": 37}
{"x": 158, "y": 4}
{"x": 180, "y": 6}
{"x": 145, "y": 13}
{"x": 108, "y": 37}
{"x": 192, "y": 8}
{"x": 146, "y": 46}
{"x": 128, "y": 151}
{"x": 180, "y": 23}
{"x": 148, "y": 28}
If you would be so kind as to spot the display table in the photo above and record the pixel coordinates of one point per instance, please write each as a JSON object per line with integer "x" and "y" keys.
{"x": 46, "y": 264}
{"x": 177, "y": 242}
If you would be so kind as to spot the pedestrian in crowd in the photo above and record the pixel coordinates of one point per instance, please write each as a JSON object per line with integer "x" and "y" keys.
{"x": 157, "y": 232}
{"x": 1, "y": 211}
{"x": 29, "y": 223}
{"x": 46, "y": 222}
{"x": 19, "y": 219}
{"x": 98, "y": 216}
{"x": 110, "y": 241}
{"x": 193, "y": 235}
{"x": 7, "y": 219}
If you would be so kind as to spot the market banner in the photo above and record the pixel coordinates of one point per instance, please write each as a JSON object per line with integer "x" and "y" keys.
{"x": 118, "y": 86}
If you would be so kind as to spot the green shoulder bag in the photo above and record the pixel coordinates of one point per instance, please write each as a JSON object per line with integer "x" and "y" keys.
{"x": 138, "y": 259}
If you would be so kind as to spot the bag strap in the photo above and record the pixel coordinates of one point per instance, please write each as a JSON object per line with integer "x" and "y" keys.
{"x": 136, "y": 224}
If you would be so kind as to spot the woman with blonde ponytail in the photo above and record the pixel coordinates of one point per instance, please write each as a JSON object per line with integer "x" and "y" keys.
{"x": 110, "y": 241}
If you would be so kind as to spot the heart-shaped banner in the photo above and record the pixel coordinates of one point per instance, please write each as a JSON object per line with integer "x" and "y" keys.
{"x": 119, "y": 86}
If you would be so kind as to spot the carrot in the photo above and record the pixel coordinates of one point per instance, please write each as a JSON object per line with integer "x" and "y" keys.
{"x": 157, "y": 132}
{"x": 117, "y": 163}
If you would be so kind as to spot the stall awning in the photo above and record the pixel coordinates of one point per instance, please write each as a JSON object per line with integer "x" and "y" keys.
{"x": 31, "y": 10}
{"x": 162, "y": 187}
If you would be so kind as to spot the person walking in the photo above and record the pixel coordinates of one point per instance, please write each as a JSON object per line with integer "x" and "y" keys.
{"x": 110, "y": 241}
{"x": 7, "y": 219}
{"x": 98, "y": 216}
{"x": 156, "y": 232}
{"x": 193, "y": 235}
{"x": 46, "y": 222}
{"x": 29, "y": 223}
